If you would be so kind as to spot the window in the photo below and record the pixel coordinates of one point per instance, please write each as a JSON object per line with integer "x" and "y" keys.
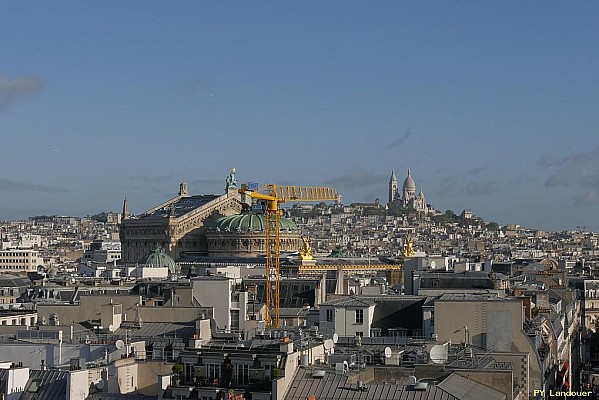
{"x": 213, "y": 372}
{"x": 330, "y": 314}
{"x": 235, "y": 320}
{"x": 360, "y": 316}
{"x": 243, "y": 374}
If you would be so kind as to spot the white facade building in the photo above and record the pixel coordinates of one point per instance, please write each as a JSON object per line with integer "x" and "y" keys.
{"x": 349, "y": 316}
{"x": 20, "y": 318}
{"x": 228, "y": 302}
{"x": 109, "y": 252}
{"x": 12, "y": 260}
{"x": 591, "y": 304}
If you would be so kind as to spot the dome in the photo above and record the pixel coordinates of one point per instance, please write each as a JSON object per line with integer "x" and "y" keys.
{"x": 245, "y": 235}
{"x": 409, "y": 183}
{"x": 249, "y": 222}
{"x": 157, "y": 258}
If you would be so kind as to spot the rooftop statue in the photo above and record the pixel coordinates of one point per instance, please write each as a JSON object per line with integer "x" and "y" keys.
{"x": 306, "y": 252}
{"x": 231, "y": 181}
{"x": 408, "y": 249}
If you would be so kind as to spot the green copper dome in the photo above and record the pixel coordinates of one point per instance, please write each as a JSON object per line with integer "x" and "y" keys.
{"x": 157, "y": 258}
{"x": 249, "y": 222}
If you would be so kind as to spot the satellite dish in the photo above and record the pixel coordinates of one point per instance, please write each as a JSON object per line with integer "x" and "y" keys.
{"x": 388, "y": 352}
{"x": 328, "y": 344}
{"x": 438, "y": 354}
{"x": 412, "y": 380}
{"x": 111, "y": 328}
{"x": 119, "y": 344}
{"x": 335, "y": 338}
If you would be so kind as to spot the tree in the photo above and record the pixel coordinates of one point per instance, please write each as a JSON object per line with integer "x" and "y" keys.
{"x": 177, "y": 372}
{"x": 493, "y": 226}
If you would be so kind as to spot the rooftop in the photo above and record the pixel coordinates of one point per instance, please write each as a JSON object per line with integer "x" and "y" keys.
{"x": 349, "y": 301}
{"x": 328, "y": 385}
{"x": 51, "y": 385}
{"x": 182, "y": 206}
{"x": 468, "y": 297}
{"x": 464, "y": 388}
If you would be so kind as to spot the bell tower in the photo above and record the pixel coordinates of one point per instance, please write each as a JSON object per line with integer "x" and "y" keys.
{"x": 393, "y": 193}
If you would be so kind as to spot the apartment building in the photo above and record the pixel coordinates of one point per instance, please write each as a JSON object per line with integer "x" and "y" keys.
{"x": 13, "y": 260}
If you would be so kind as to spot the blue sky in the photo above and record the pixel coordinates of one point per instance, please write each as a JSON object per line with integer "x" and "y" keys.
{"x": 492, "y": 105}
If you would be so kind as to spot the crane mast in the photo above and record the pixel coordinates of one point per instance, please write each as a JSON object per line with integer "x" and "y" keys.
{"x": 274, "y": 196}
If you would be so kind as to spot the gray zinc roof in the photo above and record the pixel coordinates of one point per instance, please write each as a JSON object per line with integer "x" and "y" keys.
{"x": 159, "y": 329}
{"x": 45, "y": 385}
{"x": 468, "y": 296}
{"x": 334, "y": 386}
{"x": 467, "y": 389}
{"x": 349, "y": 301}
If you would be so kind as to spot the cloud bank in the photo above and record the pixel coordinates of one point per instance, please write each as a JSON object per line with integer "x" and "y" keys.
{"x": 577, "y": 170}
{"x": 356, "y": 177}
{"x": 13, "y": 90}
{"x": 6, "y": 185}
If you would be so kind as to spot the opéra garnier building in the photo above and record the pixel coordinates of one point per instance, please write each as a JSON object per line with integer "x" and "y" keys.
{"x": 201, "y": 225}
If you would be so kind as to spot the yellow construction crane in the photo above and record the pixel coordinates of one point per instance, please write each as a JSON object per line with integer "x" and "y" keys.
{"x": 275, "y": 195}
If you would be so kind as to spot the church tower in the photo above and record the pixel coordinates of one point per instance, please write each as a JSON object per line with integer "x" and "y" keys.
{"x": 393, "y": 187}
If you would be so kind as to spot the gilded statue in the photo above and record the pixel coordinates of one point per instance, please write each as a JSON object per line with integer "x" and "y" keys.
{"x": 306, "y": 250}
{"x": 408, "y": 248}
